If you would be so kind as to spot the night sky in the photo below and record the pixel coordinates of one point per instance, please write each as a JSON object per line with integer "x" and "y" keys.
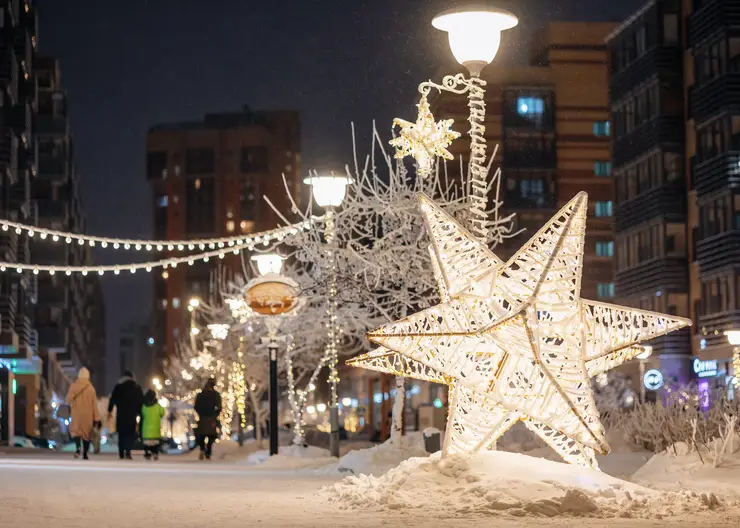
{"x": 128, "y": 64}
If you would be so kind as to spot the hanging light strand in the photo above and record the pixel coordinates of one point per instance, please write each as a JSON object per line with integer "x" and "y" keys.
{"x": 116, "y": 269}
{"x": 264, "y": 237}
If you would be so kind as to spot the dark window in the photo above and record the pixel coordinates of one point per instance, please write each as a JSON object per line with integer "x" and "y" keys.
{"x": 670, "y": 243}
{"x": 605, "y": 249}
{"x": 253, "y": 159}
{"x": 200, "y": 203}
{"x": 156, "y": 165}
{"x": 670, "y": 28}
{"x": 672, "y": 310}
{"x": 200, "y": 161}
{"x": 601, "y": 128}
{"x": 603, "y": 168}
{"x": 528, "y": 151}
{"x": 249, "y": 201}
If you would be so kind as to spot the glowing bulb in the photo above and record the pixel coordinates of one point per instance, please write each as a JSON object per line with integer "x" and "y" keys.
{"x": 84, "y": 273}
{"x": 100, "y": 272}
{"x": 104, "y": 244}
{"x": 31, "y": 233}
{"x": 116, "y": 245}
{"x": 81, "y": 242}
{"x": 18, "y": 231}
{"x": 127, "y": 246}
{"x": 68, "y": 273}
{"x": 160, "y": 247}
{"x": 138, "y": 247}
{"x": 148, "y": 247}
{"x": 92, "y": 243}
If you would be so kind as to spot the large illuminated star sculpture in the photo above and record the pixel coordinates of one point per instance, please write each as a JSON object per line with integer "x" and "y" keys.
{"x": 514, "y": 341}
{"x": 425, "y": 139}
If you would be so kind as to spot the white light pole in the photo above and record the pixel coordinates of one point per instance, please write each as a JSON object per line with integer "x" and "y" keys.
{"x": 329, "y": 192}
{"x": 733, "y": 337}
{"x": 648, "y": 350}
{"x": 475, "y": 37}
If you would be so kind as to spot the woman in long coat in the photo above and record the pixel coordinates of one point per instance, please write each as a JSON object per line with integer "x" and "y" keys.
{"x": 83, "y": 402}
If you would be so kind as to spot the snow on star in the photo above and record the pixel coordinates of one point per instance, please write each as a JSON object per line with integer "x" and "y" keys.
{"x": 514, "y": 341}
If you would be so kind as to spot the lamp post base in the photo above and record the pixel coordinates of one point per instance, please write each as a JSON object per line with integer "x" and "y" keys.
{"x": 334, "y": 438}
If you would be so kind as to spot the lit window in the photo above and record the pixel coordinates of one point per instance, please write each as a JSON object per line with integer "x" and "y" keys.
{"x": 605, "y": 249}
{"x": 230, "y": 226}
{"x": 150, "y": 341}
{"x": 605, "y": 290}
{"x": 164, "y": 304}
{"x": 176, "y": 303}
{"x": 197, "y": 184}
{"x": 603, "y": 168}
{"x": 530, "y": 106}
{"x": 163, "y": 201}
{"x": 602, "y": 129}
{"x": 603, "y": 208}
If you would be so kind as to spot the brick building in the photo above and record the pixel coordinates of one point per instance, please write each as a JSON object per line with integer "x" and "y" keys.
{"x": 208, "y": 178}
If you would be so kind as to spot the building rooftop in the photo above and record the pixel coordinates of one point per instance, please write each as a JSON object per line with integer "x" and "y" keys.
{"x": 216, "y": 121}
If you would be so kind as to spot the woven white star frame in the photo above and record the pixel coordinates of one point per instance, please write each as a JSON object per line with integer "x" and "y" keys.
{"x": 514, "y": 341}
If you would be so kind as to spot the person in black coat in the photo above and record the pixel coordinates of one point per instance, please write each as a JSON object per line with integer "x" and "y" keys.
{"x": 208, "y": 407}
{"x": 127, "y": 399}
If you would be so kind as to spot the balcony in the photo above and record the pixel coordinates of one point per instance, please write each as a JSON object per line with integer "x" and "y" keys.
{"x": 667, "y": 201}
{"x": 719, "y": 322}
{"x": 720, "y": 172}
{"x": 52, "y": 125}
{"x": 661, "y": 131}
{"x": 9, "y": 75}
{"x": 665, "y": 62}
{"x": 721, "y": 94}
{"x": 667, "y": 274}
{"x": 53, "y": 209}
{"x": 52, "y": 168}
{"x": 52, "y": 337}
{"x": 711, "y": 17}
{"x": 718, "y": 251}
{"x": 8, "y": 148}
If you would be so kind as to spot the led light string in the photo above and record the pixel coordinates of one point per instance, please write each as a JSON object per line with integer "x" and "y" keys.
{"x": 157, "y": 245}
{"x": 118, "y": 268}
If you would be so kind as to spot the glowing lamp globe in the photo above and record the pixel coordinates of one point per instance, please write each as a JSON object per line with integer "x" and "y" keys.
{"x": 268, "y": 263}
{"x": 733, "y": 337}
{"x": 328, "y": 191}
{"x": 475, "y": 33}
{"x": 272, "y": 295}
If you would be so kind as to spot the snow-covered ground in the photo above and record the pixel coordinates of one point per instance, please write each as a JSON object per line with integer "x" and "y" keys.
{"x": 491, "y": 491}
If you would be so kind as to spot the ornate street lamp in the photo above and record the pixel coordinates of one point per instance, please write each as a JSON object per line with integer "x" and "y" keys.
{"x": 329, "y": 192}
{"x": 733, "y": 337}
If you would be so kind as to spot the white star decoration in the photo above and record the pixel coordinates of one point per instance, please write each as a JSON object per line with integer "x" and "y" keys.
{"x": 425, "y": 139}
{"x": 514, "y": 341}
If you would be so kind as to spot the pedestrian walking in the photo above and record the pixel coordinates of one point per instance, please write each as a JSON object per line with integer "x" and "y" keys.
{"x": 151, "y": 425}
{"x": 127, "y": 399}
{"x": 85, "y": 416}
{"x": 208, "y": 407}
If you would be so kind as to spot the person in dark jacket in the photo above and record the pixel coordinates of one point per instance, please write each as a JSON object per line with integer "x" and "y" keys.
{"x": 127, "y": 399}
{"x": 208, "y": 407}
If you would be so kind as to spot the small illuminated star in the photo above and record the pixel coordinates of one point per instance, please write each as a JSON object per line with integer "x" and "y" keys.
{"x": 425, "y": 139}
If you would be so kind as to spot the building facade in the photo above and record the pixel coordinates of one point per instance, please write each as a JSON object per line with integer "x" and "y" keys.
{"x": 208, "y": 179}
{"x": 675, "y": 97}
{"x": 50, "y": 326}
{"x": 550, "y": 120}
{"x": 63, "y": 308}
{"x": 136, "y": 352}
{"x": 650, "y": 187}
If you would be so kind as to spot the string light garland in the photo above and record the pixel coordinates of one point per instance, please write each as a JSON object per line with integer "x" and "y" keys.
{"x": 116, "y": 269}
{"x": 514, "y": 341}
{"x": 264, "y": 237}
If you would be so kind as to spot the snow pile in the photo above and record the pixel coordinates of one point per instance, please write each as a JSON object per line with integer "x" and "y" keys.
{"x": 495, "y": 482}
{"x": 292, "y": 457}
{"x": 381, "y": 458}
{"x": 681, "y": 466}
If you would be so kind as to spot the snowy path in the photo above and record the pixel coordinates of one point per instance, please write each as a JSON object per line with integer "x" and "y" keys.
{"x": 181, "y": 492}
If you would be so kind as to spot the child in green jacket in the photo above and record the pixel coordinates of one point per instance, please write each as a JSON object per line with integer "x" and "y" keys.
{"x": 151, "y": 421}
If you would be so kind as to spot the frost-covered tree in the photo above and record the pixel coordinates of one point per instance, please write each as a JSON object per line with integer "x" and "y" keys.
{"x": 382, "y": 265}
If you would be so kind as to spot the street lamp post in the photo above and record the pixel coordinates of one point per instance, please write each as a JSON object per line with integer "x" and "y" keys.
{"x": 474, "y": 35}
{"x": 271, "y": 264}
{"x": 642, "y": 358}
{"x": 329, "y": 192}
